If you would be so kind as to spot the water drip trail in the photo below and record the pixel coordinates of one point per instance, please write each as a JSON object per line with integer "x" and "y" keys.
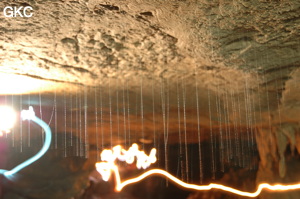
{"x": 55, "y": 119}
{"x": 211, "y": 137}
{"x": 241, "y": 162}
{"x": 77, "y": 123}
{"x": 142, "y": 114}
{"x": 96, "y": 125}
{"x": 260, "y": 112}
{"x": 252, "y": 130}
{"x": 136, "y": 116}
{"x": 86, "y": 135}
{"x": 110, "y": 114}
{"x": 226, "y": 124}
{"x": 198, "y": 130}
{"x": 28, "y": 123}
{"x": 248, "y": 112}
{"x": 13, "y": 129}
{"x": 235, "y": 124}
{"x": 185, "y": 129}
{"x": 41, "y": 115}
{"x": 163, "y": 104}
{"x": 124, "y": 113}
{"x": 128, "y": 111}
{"x": 71, "y": 119}
{"x": 228, "y": 130}
{"x": 101, "y": 118}
{"x": 80, "y": 128}
{"x": 179, "y": 132}
{"x": 219, "y": 115}
{"x": 65, "y": 126}
{"x": 118, "y": 112}
{"x": 21, "y": 126}
{"x": 168, "y": 117}
{"x": 153, "y": 115}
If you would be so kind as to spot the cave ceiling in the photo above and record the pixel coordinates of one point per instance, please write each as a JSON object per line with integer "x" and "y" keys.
{"x": 229, "y": 51}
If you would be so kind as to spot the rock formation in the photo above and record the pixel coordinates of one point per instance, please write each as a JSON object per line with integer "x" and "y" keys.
{"x": 235, "y": 61}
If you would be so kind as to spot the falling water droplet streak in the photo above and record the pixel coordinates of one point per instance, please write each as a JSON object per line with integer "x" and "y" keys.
{"x": 21, "y": 126}
{"x": 13, "y": 130}
{"x": 198, "y": 130}
{"x": 124, "y": 113}
{"x": 110, "y": 114}
{"x": 41, "y": 115}
{"x": 235, "y": 126}
{"x": 153, "y": 115}
{"x": 71, "y": 119}
{"x": 96, "y": 126}
{"x": 65, "y": 127}
{"x": 163, "y": 104}
{"x": 28, "y": 124}
{"x": 118, "y": 112}
{"x": 77, "y": 123}
{"x": 185, "y": 130}
{"x": 227, "y": 128}
{"x": 248, "y": 118}
{"x": 80, "y": 128}
{"x": 142, "y": 114}
{"x": 86, "y": 135}
{"x": 55, "y": 120}
{"x": 128, "y": 111}
{"x": 211, "y": 136}
{"x": 219, "y": 116}
{"x": 241, "y": 157}
{"x": 101, "y": 118}
{"x": 229, "y": 146}
{"x": 179, "y": 133}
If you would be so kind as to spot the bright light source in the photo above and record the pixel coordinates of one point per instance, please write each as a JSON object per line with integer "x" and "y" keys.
{"x": 28, "y": 115}
{"x": 7, "y": 119}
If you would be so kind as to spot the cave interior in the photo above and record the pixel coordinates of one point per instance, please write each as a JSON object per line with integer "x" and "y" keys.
{"x": 213, "y": 86}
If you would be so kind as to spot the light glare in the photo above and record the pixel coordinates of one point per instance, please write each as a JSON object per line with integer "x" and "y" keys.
{"x": 20, "y": 84}
{"x": 7, "y": 119}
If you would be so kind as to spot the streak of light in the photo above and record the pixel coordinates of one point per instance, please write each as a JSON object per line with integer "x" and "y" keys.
{"x": 277, "y": 187}
{"x": 110, "y": 156}
{"x": 133, "y": 153}
{"x": 30, "y": 115}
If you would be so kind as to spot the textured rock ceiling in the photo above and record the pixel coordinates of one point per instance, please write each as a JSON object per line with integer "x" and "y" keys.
{"x": 242, "y": 57}
{"x": 226, "y": 46}
{"x": 88, "y": 42}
